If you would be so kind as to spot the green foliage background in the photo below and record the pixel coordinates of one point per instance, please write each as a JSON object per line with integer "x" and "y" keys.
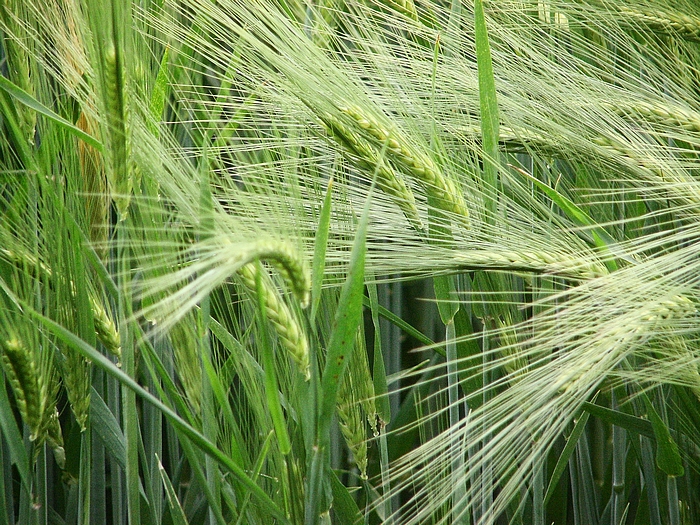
{"x": 349, "y": 261}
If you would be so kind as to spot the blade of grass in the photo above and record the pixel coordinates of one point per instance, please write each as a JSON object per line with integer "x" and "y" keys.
{"x": 320, "y": 245}
{"x": 347, "y": 321}
{"x": 668, "y": 458}
{"x": 488, "y": 103}
{"x": 177, "y": 515}
{"x": 25, "y": 98}
{"x": 565, "y": 455}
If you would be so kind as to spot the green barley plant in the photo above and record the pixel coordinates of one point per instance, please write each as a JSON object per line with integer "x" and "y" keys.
{"x": 350, "y": 261}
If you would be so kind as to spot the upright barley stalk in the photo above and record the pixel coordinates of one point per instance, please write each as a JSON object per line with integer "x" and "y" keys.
{"x": 23, "y": 373}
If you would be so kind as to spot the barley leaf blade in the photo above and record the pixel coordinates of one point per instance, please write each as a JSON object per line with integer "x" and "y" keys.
{"x": 345, "y": 507}
{"x": 668, "y": 458}
{"x": 159, "y": 93}
{"x": 565, "y": 455}
{"x": 488, "y": 103}
{"x": 347, "y": 320}
{"x": 320, "y": 246}
{"x": 25, "y": 98}
{"x": 106, "y": 426}
{"x": 177, "y": 515}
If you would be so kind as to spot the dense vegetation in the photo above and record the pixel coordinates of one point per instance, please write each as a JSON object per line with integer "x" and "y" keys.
{"x": 336, "y": 261}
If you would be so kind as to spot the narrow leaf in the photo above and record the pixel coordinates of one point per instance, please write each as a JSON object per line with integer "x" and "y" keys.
{"x": 563, "y": 460}
{"x": 320, "y": 245}
{"x": 668, "y": 458}
{"x": 488, "y": 103}
{"x": 25, "y": 98}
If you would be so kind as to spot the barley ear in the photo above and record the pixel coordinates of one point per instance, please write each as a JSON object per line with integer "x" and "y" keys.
{"x": 352, "y": 424}
{"x": 413, "y": 162}
{"x": 120, "y": 175}
{"x": 183, "y": 338}
{"x": 289, "y": 331}
{"x": 77, "y": 372}
{"x": 366, "y": 156}
{"x": 23, "y": 373}
{"x": 105, "y": 328}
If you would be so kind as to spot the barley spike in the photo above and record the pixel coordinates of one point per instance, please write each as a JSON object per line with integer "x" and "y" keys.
{"x": 289, "y": 331}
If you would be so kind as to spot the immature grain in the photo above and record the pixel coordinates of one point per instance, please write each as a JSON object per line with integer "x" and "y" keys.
{"x": 54, "y": 437}
{"x": 77, "y": 374}
{"x": 352, "y": 424}
{"x": 528, "y": 261}
{"x": 672, "y": 117}
{"x": 95, "y": 185}
{"x": 412, "y": 161}
{"x": 666, "y": 22}
{"x": 282, "y": 257}
{"x": 105, "y": 328}
{"x": 289, "y": 331}
{"x": 24, "y": 377}
{"x": 183, "y": 338}
{"x": 367, "y": 157}
{"x": 120, "y": 176}
{"x": 405, "y": 7}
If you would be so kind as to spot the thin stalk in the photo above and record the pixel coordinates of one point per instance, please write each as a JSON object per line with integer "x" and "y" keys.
{"x": 84, "y": 484}
{"x": 459, "y": 490}
{"x": 387, "y": 503}
{"x": 619, "y": 455}
{"x": 128, "y": 397}
{"x": 487, "y": 469}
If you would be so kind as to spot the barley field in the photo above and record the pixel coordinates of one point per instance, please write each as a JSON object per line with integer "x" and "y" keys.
{"x": 395, "y": 262}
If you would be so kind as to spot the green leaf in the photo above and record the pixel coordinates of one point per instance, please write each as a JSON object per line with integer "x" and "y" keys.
{"x": 563, "y": 460}
{"x": 347, "y": 321}
{"x": 25, "y": 98}
{"x": 320, "y": 245}
{"x": 488, "y": 103}
{"x": 159, "y": 93}
{"x": 107, "y": 428}
{"x": 177, "y": 515}
{"x": 343, "y": 504}
{"x": 403, "y": 325}
{"x": 668, "y": 459}
{"x": 633, "y": 424}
